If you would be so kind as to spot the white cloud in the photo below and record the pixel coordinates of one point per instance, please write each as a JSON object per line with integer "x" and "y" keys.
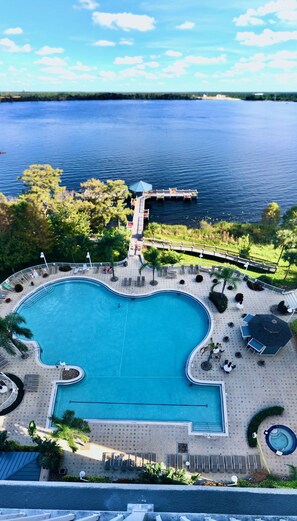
{"x": 9, "y": 46}
{"x": 81, "y": 67}
{"x": 176, "y": 69}
{"x": 267, "y": 37}
{"x": 126, "y": 41}
{"x": 51, "y": 62}
{"x": 87, "y": 4}
{"x": 173, "y": 54}
{"x": 200, "y": 75}
{"x": 125, "y": 21}
{"x": 134, "y": 72}
{"x": 49, "y": 50}
{"x": 13, "y": 30}
{"x": 186, "y": 26}
{"x": 152, "y": 64}
{"x": 248, "y": 19}
{"x": 104, "y": 43}
{"x": 128, "y": 60}
{"x": 107, "y": 75}
{"x": 285, "y": 10}
{"x": 203, "y": 60}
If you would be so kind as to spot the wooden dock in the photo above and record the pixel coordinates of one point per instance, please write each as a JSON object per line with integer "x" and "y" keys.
{"x": 171, "y": 193}
{"x": 141, "y": 213}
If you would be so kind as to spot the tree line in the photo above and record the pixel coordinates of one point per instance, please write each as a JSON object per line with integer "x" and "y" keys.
{"x": 87, "y": 96}
{"x": 63, "y": 224}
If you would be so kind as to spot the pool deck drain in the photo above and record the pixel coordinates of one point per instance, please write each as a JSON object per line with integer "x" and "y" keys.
{"x": 249, "y": 387}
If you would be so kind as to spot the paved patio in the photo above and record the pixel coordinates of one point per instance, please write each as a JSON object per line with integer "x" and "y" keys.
{"x": 249, "y": 387}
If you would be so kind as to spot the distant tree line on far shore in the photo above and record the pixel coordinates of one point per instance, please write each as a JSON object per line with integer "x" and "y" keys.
{"x": 85, "y": 96}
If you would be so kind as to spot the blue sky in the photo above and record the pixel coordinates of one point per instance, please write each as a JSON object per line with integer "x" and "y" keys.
{"x": 149, "y": 45}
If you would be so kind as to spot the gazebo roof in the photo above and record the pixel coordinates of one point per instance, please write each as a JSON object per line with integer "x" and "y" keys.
{"x": 141, "y": 186}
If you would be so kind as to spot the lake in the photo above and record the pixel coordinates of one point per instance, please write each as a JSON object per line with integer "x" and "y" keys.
{"x": 238, "y": 155}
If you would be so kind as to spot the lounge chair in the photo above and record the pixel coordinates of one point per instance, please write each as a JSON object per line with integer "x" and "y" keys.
{"x": 7, "y": 286}
{"x": 258, "y": 463}
{"x": 236, "y": 464}
{"x": 206, "y": 463}
{"x": 242, "y": 464}
{"x": 228, "y": 464}
{"x": 248, "y": 317}
{"x": 107, "y": 463}
{"x": 138, "y": 282}
{"x": 31, "y": 382}
{"x": 129, "y": 281}
{"x": 142, "y": 280}
{"x": 221, "y": 464}
{"x": 182, "y": 270}
{"x": 192, "y": 460}
{"x": 200, "y": 466}
{"x": 125, "y": 281}
{"x": 245, "y": 332}
{"x": 256, "y": 345}
{"x": 214, "y": 463}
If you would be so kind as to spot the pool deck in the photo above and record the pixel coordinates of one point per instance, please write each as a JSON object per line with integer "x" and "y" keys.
{"x": 249, "y": 387}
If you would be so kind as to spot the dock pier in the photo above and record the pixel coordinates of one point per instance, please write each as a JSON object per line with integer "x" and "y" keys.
{"x": 141, "y": 213}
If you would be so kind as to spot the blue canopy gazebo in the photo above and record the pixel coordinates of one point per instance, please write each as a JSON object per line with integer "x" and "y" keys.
{"x": 140, "y": 187}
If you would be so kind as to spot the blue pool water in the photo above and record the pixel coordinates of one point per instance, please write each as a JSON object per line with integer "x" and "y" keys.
{"x": 133, "y": 352}
{"x": 281, "y": 438}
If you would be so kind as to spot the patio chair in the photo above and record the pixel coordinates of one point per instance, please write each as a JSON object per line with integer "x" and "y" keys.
{"x": 248, "y": 317}
{"x": 245, "y": 332}
{"x": 256, "y": 345}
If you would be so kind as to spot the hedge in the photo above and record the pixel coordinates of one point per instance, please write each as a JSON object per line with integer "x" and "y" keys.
{"x": 219, "y": 300}
{"x": 89, "y": 479}
{"x": 258, "y": 419}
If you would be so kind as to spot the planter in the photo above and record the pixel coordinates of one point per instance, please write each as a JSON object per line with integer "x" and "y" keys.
{"x": 18, "y": 288}
{"x": 199, "y": 278}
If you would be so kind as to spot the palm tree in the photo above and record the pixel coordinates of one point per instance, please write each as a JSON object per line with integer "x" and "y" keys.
{"x": 228, "y": 276}
{"x": 286, "y": 239}
{"x": 70, "y": 429}
{"x": 153, "y": 259}
{"x": 10, "y": 326}
{"x": 290, "y": 256}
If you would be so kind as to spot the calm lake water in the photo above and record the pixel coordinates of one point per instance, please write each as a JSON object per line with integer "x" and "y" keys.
{"x": 239, "y": 155}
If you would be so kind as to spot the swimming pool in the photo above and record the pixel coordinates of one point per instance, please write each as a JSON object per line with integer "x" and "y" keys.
{"x": 281, "y": 439}
{"x": 133, "y": 351}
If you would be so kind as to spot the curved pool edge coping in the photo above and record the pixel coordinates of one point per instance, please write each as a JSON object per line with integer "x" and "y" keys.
{"x": 188, "y": 375}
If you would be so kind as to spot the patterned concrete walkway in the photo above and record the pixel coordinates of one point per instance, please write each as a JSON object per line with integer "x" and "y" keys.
{"x": 249, "y": 387}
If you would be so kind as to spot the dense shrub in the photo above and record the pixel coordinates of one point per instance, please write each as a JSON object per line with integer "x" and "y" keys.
{"x": 65, "y": 267}
{"x": 90, "y": 479}
{"x": 219, "y": 300}
{"x": 18, "y": 288}
{"x": 45, "y": 275}
{"x": 265, "y": 278}
{"x": 256, "y": 286}
{"x": 239, "y": 298}
{"x": 199, "y": 278}
{"x": 258, "y": 419}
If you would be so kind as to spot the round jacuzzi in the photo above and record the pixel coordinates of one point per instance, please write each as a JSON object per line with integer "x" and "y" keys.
{"x": 281, "y": 439}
